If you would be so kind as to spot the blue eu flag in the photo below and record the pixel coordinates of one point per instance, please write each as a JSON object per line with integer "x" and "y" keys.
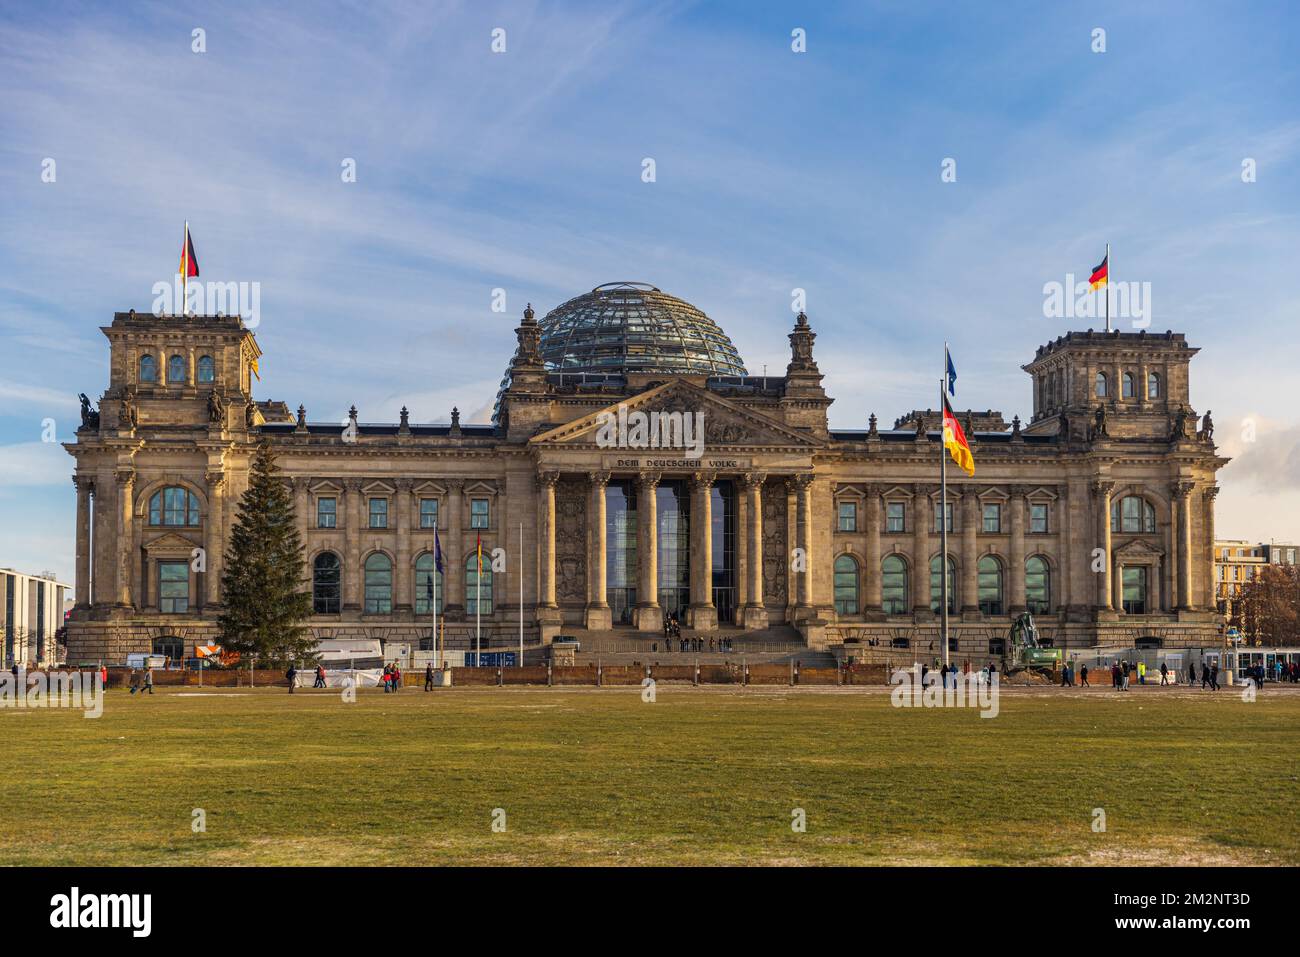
{"x": 952, "y": 372}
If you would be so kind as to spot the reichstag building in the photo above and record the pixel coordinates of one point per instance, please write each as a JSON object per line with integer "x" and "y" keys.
{"x": 1096, "y": 514}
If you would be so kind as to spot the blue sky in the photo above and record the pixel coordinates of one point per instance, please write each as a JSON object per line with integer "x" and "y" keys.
{"x": 522, "y": 171}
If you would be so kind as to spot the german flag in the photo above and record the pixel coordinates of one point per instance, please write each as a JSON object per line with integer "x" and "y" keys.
{"x": 954, "y": 440}
{"x": 478, "y": 548}
{"x": 189, "y": 262}
{"x": 1099, "y": 274}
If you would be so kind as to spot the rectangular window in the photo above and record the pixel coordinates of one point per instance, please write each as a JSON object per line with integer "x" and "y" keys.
{"x": 327, "y": 510}
{"x": 848, "y": 517}
{"x": 478, "y": 513}
{"x": 173, "y": 587}
{"x": 428, "y": 513}
{"x": 1135, "y": 590}
{"x": 894, "y": 515}
{"x": 993, "y": 518}
{"x": 1038, "y": 519}
{"x": 947, "y": 516}
{"x": 379, "y": 513}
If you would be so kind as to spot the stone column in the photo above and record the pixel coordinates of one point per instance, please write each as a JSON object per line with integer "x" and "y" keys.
{"x": 83, "y": 541}
{"x": 1182, "y": 492}
{"x": 1016, "y": 560}
{"x": 871, "y": 570}
{"x": 702, "y": 613}
{"x": 755, "y": 613}
{"x": 921, "y": 519}
{"x": 354, "y": 580}
{"x": 648, "y": 616}
{"x": 214, "y": 537}
{"x": 1101, "y": 492}
{"x": 793, "y": 579}
{"x": 453, "y": 602}
{"x": 125, "y": 477}
{"x": 546, "y": 482}
{"x": 803, "y": 492}
{"x": 970, "y": 523}
{"x": 599, "y": 615}
{"x": 402, "y": 573}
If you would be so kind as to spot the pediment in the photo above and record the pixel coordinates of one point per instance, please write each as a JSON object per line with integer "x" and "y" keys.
{"x": 727, "y": 424}
{"x": 171, "y": 542}
{"x": 1139, "y": 548}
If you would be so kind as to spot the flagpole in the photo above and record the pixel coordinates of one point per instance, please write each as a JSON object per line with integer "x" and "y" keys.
{"x": 185, "y": 266}
{"x": 1107, "y": 292}
{"x": 437, "y": 645}
{"x": 943, "y": 515}
{"x": 478, "y": 612}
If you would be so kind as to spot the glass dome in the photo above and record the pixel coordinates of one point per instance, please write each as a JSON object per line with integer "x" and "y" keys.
{"x": 624, "y": 327}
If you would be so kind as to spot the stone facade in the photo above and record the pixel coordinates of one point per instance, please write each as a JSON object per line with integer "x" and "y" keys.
{"x": 1109, "y": 486}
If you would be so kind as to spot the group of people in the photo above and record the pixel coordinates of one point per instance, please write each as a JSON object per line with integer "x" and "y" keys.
{"x": 392, "y": 678}
{"x": 948, "y": 674}
{"x": 1279, "y": 671}
{"x": 696, "y": 644}
{"x": 139, "y": 682}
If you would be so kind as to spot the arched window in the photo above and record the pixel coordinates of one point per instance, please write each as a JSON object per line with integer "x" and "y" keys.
{"x": 990, "y": 585}
{"x": 426, "y": 589}
{"x": 148, "y": 369}
{"x": 379, "y": 584}
{"x": 478, "y": 597}
{"x": 1101, "y": 385}
{"x": 1128, "y": 386}
{"x": 207, "y": 369}
{"x": 893, "y": 586}
{"x": 846, "y": 585}
{"x": 174, "y": 505}
{"x": 169, "y": 645}
{"x": 1132, "y": 514}
{"x": 1153, "y": 385}
{"x": 1038, "y": 585}
{"x": 325, "y": 578}
{"x": 936, "y": 586}
{"x": 176, "y": 369}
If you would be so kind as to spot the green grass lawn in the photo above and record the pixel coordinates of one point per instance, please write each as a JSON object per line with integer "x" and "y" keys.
{"x": 706, "y": 776}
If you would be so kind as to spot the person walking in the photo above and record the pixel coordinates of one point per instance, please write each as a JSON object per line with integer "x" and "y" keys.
{"x": 320, "y": 677}
{"x": 292, "y": 675}
{"x": 1214, "y": 676}
{"x": 397, "y": 677}
{"x": 428, "y": 677}
{"x": 103, "y": 676}
{"x": 1125, "y": 670}
{"x": 1164, "y": 674}
{"x": 1205, "y": 676}
{"x": 1191, "y": 674}
{"x": 1083, "y": 677}
{"x": 148, "y": 681}
{"x": 135, "y": 680}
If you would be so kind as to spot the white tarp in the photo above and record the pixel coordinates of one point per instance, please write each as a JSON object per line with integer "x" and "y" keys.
{"x": 363, "y": 677}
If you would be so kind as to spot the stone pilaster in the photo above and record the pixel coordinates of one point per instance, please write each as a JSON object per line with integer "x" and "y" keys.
{"x": 648, "y": 615}
{"x": 214, "y": 537}
{"x": 354, "y": 578}
{"x": 454, "y": 578}
{"x": 549, "y": 619}
{"x": 82, "y": 587}
{"x": 1101, "y": 492}
{"x": 921, "y": 519}
{"x": 125, "y": 479}
{"x": 403, "y": 586}
{"x": 871, "y": 601}
{"x": 803, "y": 487}
{"x": 970, "y": 524}
{"x": 1016, "y": 561}
{"x": 598, "y": 614}
{"x": 702, "y": 613}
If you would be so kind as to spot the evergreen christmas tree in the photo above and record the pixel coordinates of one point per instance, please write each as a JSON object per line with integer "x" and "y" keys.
{"x": 262, "y": 586}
